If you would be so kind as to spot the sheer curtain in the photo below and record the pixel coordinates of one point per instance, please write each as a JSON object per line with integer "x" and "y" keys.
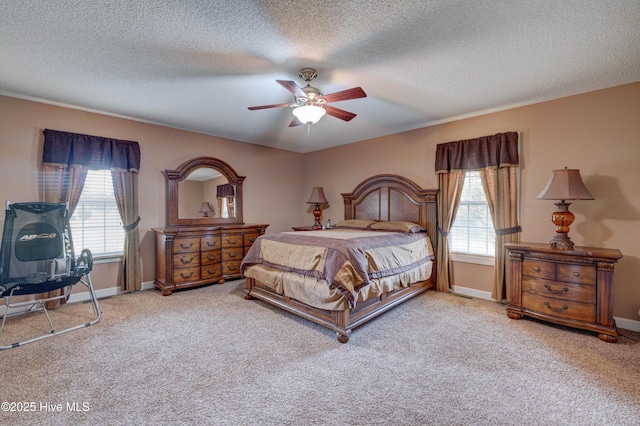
{"x": 66, "y": 157}
{"x": 496, "y": 157}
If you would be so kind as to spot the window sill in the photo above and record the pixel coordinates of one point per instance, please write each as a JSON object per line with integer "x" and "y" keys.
{"x": 109, "y": 258}
{"x": 473, "y": 258}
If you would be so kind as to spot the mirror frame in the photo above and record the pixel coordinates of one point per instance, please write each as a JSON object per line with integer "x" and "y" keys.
{"x": 174, "y": 177}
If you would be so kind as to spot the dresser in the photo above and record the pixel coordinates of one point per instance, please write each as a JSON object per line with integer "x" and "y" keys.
{"x": 572, "y": 287}
{"x": 193, "y": 256}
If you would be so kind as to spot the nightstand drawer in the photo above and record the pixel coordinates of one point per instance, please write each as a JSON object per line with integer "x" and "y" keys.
{"x": 249, "y": 239}
{"x": 559, "y": 308}
{"x": 538, "y": 269}
{"x": 559, "y": 290}
{"x": 577, "y": 274}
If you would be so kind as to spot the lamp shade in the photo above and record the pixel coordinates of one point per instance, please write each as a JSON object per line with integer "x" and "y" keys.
{"x": 317, "y": 196}
{"x": 565, "y": 184}
{"x": 205, "y": 207}
{"x": 309, "y": 114}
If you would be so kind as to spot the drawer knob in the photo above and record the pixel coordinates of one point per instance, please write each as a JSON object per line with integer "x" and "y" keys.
{"x": 186, "y": 276}
{"x": 564, "y": 290}
{"x": 231, "y": 267}
{"x": 576, "y": 274}
{"x": 535, "y": 268}
{"x": 564, "y": 308}
{"x": 232, "y": 254}
{"x": 252, "y": 239}
{"x": 211, "y": 258}
{"x": 184, "y": 247}
{"x": 209, "y": 271}
{"x": 185, "y": 261}
{"x": 211, "y": 244}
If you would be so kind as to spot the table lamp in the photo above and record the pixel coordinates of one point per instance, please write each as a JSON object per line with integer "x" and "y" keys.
{"x": 317, "y": 198}
{"x": 565, "y": 184}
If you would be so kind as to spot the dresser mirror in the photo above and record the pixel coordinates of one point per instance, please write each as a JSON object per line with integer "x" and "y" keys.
{"x": 203, "y": 191}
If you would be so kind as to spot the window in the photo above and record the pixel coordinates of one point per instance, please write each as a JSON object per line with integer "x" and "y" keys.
{"x": 96, "y": 223}
{"x": 472, "y": 231}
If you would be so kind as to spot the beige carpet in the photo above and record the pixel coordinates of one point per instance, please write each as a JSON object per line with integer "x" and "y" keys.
{"x": 207, "y": 356}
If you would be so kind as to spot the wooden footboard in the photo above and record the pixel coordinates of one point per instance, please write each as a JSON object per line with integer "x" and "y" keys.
{"x": 342, "y": 322}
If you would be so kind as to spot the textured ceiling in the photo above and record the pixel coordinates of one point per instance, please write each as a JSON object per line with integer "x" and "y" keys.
{"x": 197, "y": 65}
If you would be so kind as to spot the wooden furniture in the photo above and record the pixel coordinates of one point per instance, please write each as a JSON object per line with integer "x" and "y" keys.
{"x": 193, "y": 256}
{"x": 381, "y": 197}
{"x": 193, "y": 251}
{"x": 302, "y": 228}
{"x": 568, "y": 287}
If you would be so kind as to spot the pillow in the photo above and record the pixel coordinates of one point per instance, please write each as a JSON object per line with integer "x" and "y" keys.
{"x": 396, "y": 225}
{"x": 354, "y": 223}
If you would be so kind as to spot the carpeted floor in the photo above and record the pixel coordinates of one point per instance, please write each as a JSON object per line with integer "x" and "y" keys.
{"x": 207, "y": 356}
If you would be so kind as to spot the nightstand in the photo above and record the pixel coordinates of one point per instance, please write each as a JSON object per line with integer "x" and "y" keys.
{"x": 572, "y": 287}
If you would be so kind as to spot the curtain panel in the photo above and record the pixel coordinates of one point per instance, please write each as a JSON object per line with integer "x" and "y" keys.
{"x": 496, "y": 157}
{"x": 66, "y": 157}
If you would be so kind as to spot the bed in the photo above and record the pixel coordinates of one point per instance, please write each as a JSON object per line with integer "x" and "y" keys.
{"x": 344, "y": 277}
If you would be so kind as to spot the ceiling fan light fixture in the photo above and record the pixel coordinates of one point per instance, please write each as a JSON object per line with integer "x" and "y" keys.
{"x": 309, "y": 114}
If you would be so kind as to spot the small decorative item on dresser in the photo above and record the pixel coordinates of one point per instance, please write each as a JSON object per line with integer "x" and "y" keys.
{"x": 565, "y": 184}
{"x": 317, "y": 197}
{"x": 570, "y": 287}
{"x": 205, "y": 209}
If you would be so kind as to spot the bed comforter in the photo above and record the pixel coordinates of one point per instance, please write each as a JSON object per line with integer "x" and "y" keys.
{"x": 345, "y": 260}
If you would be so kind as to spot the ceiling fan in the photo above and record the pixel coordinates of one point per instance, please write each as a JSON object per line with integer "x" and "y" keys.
{"x": 309, "y": 102}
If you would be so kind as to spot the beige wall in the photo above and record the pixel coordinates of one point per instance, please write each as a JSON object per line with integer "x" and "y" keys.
{"x": 596, "y": 132}
{"x": 272, "y": 185}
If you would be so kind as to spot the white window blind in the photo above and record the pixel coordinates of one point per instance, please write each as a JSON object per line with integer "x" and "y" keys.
{"x": 472, "y": 231}
{"x": 96, "y": 223}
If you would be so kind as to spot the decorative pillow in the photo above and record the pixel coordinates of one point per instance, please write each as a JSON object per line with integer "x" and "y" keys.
{"x": 396, "y": 225}
{"x": 354, "y": 223}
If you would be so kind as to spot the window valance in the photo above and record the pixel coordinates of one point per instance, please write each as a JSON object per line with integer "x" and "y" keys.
{"x": 495, "y": 151}
{"x": 94, "y": 152}
{"x": 225, "y": 190}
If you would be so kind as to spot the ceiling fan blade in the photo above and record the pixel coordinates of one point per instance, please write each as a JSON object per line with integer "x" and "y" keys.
{"x": 339, "y": 113}
{"x": 344, "y": 95}
{"x": 292, "y": 87}
{"x": 253, "y": 108}
{"x": 295, "y": 122}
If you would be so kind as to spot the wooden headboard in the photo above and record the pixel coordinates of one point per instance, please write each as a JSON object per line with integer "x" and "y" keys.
{"x": 392, "y": 197}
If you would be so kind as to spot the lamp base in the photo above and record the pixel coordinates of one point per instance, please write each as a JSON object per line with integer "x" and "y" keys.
{"x": 317, "y": 214}
{"x": 561, "y": 241}
{"x": 562, "y": 218}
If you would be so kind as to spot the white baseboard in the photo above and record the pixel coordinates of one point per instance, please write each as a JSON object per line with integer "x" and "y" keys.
{"x": 84, "y": 296}
{"x": 627, "y": 324}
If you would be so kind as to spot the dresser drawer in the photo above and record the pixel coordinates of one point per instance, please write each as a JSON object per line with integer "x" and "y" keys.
{"x": 249, "y": 239}
{"x": 232, "y": 240}
{"x": 210, "y": 257}
{"x": 231, "y": 268}
{"x": 186, "y": 260}
{"x": 538, "y": 269}
{"x": 184, "y": 275}
{"x": 213, "y": 271}
{"x": 559, "y": 290}
{"x": 232, "y": 254}
{"x": 577, "y": 274}
{"x": 559, "y": 308}
{"x": 209, "y": 243}
{"x": 186, "y": 245}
